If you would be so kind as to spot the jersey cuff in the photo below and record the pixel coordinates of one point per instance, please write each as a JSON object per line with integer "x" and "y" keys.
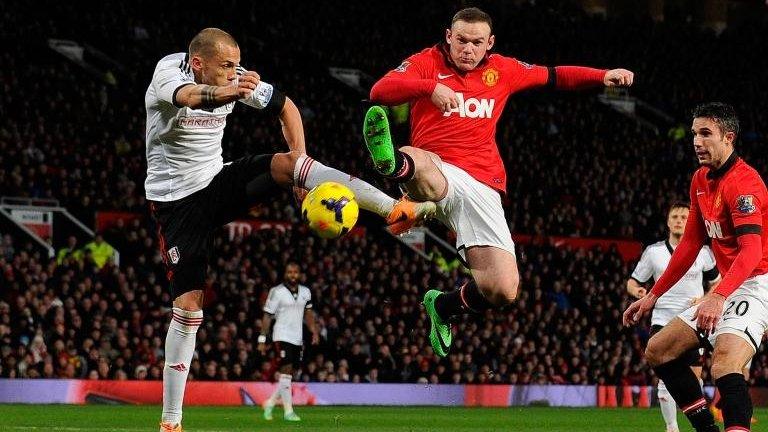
{"x": 551, "y": 77}
{"x": 711, "y": 274}
{"x": 173, "y": 96}
{"x": 276, "y": 102}
{"x": 748, "y": 229}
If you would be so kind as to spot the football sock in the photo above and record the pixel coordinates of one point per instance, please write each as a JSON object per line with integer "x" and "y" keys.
{"x": 684, "y": 387}
{"x": 404, "y": 168}
{"x": 309, "y": 173}
{"x": 668, "y": 407}
{"x": 179, "y": 348}
{"x": 468, "y": 298}
{"x": 275, "y": 395}
{"x": 285, "y": 392}
{"x": 735, "y": 402}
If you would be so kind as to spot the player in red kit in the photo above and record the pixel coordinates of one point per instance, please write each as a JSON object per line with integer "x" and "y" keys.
{"x": 729, "y": 205}
{"x": 457, "y": 92}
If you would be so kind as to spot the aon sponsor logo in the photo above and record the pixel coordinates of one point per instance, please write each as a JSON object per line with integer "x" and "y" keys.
{"x": 714, "y": 230}
{"x": 472, "y": 107}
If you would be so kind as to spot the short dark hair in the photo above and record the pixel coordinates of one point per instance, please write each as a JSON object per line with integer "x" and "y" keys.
{"x": 472, "y": 15}
{"x": 721, "y": 113}
{"x": 205, "y": 42}
{"x": 678, "y": 205}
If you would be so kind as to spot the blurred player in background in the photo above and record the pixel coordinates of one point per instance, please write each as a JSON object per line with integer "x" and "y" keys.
{"x": 729, "y": 204}
{"x": 680, "y": 297}
{"x": 192, "y": 192}
{"x": 291, "y": 305}
{"x": 457, "y": 91}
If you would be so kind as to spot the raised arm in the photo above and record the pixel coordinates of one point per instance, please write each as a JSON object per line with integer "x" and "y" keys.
{"x": 208, "y": 96}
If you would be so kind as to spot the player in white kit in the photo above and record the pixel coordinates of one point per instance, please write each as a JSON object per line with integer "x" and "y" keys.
{"x": 291, "y": 305}
{"x": 690, "y": 288}
{"x": 192, "y": 192}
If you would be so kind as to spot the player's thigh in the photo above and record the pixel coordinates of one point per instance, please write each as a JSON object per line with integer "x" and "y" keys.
{"x": 495, "y": 272}
{"x": 732, "y": 353}
{"x": 184, "y": 241}
{"x": 240, "y": 185}
{"x": 671, "y": 342}
{"x": 428, "y": 183}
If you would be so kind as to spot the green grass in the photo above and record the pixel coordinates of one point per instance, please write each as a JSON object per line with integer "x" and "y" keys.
{"x": 319, "y": 419}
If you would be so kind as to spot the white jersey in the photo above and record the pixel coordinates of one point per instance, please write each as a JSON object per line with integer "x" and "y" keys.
{"x": 288, "y": 309}
{"x": 652, "y": 264}
{"x": 184, "y": 144}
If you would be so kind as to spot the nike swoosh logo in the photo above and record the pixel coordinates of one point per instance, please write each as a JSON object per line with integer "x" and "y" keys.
{"x": 445, "y": 347}
{"x": 699, "y": 193}
{"x": 441, "y": 76}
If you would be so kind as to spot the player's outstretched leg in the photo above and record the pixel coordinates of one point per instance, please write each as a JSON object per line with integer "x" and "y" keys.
{"x": 401, "y": 215}
{"x": 493, "y": 285}
{"x": 731, "y": 353}
{"x": 665, "y": 354}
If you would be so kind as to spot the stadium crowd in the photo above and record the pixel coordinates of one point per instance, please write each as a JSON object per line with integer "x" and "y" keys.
{"x": 576, "y": 168}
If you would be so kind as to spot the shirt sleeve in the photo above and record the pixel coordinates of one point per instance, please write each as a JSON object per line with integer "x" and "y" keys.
{"x": 270, "y": 306}
{"x": 411, "y": 80}
{"x": 643, "y": 271}
{"x": 169, "y": 77}
{"x": 524, "y": 76}
{"x": 309, "y": 299}
{"x": 744, "y": 204}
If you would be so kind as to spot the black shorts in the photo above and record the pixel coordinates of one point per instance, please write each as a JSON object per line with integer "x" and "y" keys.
{"x": 289, "y": 354}
{"x": 692, "y": 357}
{"x": 185, "y": 227}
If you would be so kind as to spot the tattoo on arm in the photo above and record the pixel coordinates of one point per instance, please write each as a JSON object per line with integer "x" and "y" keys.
{"x": 207, "y": 95}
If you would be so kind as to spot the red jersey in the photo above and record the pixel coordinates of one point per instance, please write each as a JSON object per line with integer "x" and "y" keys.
{"x": 465, "y": 137}
{"x": 728, "y": 202}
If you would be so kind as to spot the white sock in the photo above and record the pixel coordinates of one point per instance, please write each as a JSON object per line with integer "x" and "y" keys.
{"x": 285, "y": 392}
{"x": 309, "y": 173}
{"x": 668, "y": 407}
{"x": 179, "y": 349}
{"x": 275, "y": 394}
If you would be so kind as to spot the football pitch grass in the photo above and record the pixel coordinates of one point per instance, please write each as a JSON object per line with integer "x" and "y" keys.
{"x": 122, "y": 418}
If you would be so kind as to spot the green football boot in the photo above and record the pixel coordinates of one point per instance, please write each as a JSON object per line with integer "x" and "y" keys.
{"x": 378, "y": 139}
{"x": 291, "y": 417}
{"x": 439, "y": 332}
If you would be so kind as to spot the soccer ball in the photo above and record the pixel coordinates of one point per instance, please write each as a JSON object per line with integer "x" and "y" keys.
{"x": 330, "y": 210}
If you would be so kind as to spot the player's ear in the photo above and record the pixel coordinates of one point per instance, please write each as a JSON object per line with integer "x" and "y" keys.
{"x": 448, "y": 36}
{"x": 196, "y": 62}
{"x": 491, "y": 41}
{"x": 730, "y": 137}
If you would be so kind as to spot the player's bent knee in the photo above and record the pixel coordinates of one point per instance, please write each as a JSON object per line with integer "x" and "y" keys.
{"x": 191, "y": 301}
{"x": 282, "y": 167}
{"x": 654, "y": 353}
{"x": 501, "y": 294}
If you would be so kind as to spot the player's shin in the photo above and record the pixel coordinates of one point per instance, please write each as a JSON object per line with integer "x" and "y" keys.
{"x": 179, "y": 349}
{"x": 735, "y": 402}
{"x": 466, "y": 299}
{"x": 683, "y": 385}
{"x": 668, "y": 407}
{"x": 285, "y": 392}
{"x": 309, "y": 173}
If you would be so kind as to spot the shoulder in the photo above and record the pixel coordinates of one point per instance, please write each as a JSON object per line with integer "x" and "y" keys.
{"x": 176, "y": 60}
{"x": 745, "y": 180}
{"x": 427, "y": 56}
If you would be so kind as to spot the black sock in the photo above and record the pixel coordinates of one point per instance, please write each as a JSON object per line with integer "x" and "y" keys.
{"x": 404, "y": 168}
{"x": 685, "y": 388}
{"x": 468, "y": 298}
{"x": 735, "y": 401}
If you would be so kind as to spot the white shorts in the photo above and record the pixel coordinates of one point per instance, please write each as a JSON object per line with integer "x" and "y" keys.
{"x": 662, "y": 316}
{"x": 745, "y": 313}
{"x": 473, "y": 211}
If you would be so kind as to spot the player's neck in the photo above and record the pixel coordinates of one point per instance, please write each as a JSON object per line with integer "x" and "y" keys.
{"x": 674, "y": 240}
{"x": 726, "y": 157}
